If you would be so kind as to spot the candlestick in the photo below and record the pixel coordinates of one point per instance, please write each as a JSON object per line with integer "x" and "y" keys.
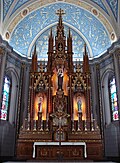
{"x": 28, "y": 117}
{"x": 47, "y": 129}
{"x": 78, "y": 122}
{"x": 47, "y": 117}
{"x": 41, "y": 127}
{"x": 28, "y": 126}
{"x": 47, "y": 122}
{"x": 73, "y": 127}
{"x": 91, "y": 117}
{"x": 24, "y": 124}
{"x": 78, "y": 127}
{"x": 92, "y": 126}
{"x": 34, "y": 127}
{"x": 53, "y": 106}
{"x": 85, "y": 125}
{"x": 73, "y": 117}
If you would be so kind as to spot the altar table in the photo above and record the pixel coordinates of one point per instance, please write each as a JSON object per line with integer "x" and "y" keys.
{"x": 62, "y": 144}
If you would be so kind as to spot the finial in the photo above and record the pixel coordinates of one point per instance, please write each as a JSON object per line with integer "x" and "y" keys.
{"x": 60, "y": 12}
{"x": 76, "y": 62}
{"x": 69, "y": 33}
{"x": 85, "y": 52}
{"x": 34, "y": 53}
{"x": 51, "y": 32}
{"x": 44, "y": 61}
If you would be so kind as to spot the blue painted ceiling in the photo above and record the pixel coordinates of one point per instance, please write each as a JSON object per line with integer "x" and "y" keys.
{"x": 35, "y": 26}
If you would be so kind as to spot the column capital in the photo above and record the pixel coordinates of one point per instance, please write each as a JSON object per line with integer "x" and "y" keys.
{"x": 2, "y": 51}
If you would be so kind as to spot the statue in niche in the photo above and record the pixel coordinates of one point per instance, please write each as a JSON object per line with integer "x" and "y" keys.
{"x": 79, "y": 104}
{"x": 40, "y": 104}
{"x": 60, "y": 78}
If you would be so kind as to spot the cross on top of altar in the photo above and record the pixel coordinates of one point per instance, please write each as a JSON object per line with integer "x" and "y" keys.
{"x": 60, "y": 12}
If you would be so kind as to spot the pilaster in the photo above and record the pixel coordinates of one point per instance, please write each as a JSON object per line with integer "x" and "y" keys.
{"x": 116, "y": 61}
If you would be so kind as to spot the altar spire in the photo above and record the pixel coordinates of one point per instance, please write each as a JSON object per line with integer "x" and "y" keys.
{"x": 85, "y": 52}
{"x": 60, "y": 27}
{"x": 34, "y": 60}
{"x": 86, "y": 66}
{"x": 60, "y": 12}
{"x": 50, "y": 43}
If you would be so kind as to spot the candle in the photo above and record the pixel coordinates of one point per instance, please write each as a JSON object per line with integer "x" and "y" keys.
{"x": 47, "y": 116}
{"x": 28, "y": 117}
{"x": 91, "y": 116}
{"x": 85, "y": 117}
{"x": 73, "y": 117}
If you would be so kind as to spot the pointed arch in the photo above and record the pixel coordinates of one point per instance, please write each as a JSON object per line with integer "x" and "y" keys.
{"x": 107, "y": 75}
{"x": 13, "y": 75}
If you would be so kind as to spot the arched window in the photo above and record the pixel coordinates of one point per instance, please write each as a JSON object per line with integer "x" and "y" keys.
{"x": 113, "y": 99}
{"x": 5, "y": 98}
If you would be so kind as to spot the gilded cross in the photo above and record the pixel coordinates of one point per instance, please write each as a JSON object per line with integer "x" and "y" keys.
{"x": 60, "y": 12}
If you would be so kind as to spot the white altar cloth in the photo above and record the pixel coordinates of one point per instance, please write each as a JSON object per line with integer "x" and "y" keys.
{"x": 62, "y": 144}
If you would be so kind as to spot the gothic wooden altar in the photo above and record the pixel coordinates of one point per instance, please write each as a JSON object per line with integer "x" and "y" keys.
{"x": 59, "y": 105}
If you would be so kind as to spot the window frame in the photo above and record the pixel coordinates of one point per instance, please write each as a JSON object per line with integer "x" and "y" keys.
{"x": 110, "y": 98}
{"x": 9, "y": 97}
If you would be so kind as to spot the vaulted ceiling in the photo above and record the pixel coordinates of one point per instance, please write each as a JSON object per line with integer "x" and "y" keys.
{"x": 26, "y": 22}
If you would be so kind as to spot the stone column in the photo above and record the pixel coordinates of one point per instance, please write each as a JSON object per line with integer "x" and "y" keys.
{"x": 3, "y": 55}
{"x": 94, "y": 90}
{"x": 25, "y": 92}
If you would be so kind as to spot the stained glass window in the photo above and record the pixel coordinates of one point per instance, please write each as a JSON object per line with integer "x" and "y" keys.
{"x": 113, "y": 100}
{"x": 5, "y": 99}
